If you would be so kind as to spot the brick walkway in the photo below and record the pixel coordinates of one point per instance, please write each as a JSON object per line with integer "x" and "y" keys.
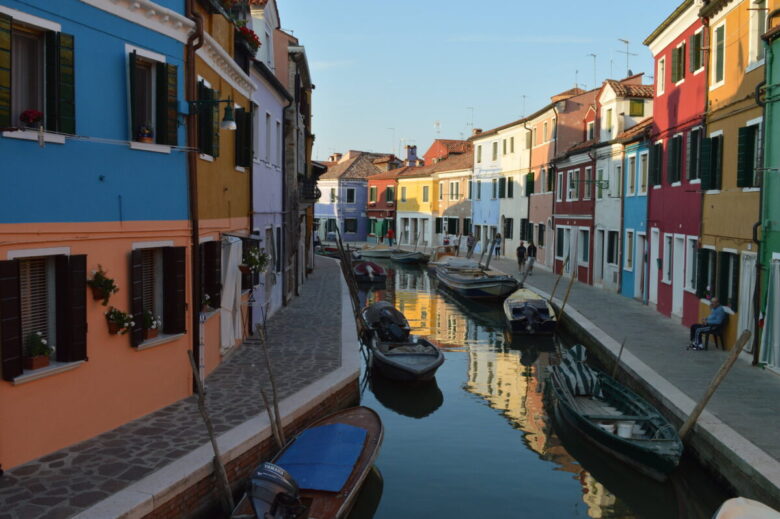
{"x": 305, "y": 344}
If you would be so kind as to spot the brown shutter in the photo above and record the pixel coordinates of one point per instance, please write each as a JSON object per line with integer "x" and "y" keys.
{"x": 212, "y": 271}
{"x": 5, "y": 70}
{"x": 10, "y": 321}
{"x": 167, "y": 104}
{"x": 136, "y": 297}
{"x": 71, "y": 290}
{"x": 174, "y": 289}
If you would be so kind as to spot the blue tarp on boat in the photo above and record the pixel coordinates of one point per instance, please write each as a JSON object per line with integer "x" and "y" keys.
{"x": 322, "y": 458}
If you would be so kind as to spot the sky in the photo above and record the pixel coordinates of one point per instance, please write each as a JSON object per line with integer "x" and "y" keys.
{"x": 389, "y": 74}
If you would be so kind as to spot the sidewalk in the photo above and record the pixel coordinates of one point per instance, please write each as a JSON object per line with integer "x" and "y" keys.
{"x": 305, "y": 343}
{"x": 744, "y": 413}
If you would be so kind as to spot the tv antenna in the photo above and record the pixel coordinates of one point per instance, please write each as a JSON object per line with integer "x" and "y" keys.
{"x": 472, "y": 116}
{"x": 628, "y": 55}
{"x": 437, "y": 126}
{"x": 593, "y": 55}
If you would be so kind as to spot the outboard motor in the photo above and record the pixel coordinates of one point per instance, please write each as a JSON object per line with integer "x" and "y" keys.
{"x": 388, "y": 322}
{"x": 275, "y": 493}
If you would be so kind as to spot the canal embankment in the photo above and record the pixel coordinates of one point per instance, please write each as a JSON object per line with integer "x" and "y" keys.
{"x": 736, "y": 436}
{"x": 160, "y": 465}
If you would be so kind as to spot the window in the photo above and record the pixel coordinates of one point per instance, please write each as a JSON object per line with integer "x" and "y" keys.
{"x": 631, "y": 176}
{"x": 154, "y": 105}
{"x": 494, "y": 194}
{"x": 660, "y": 79}
{"x": 694, "y": 152}
{"x": 674, "y": 159}
{"x": 629, "y": 259}
{"x": 712, "y": 174}
{"x": 495, "y": 150}
{"x": 350, "y": 195}
{"x": 511, "y": 145}
{"x": 390, "y": 194}
{"x": 441, "y": 191}
{"x": 244, "y": 137}
{"x": 608, "y": 120}
{"x": 509, "y": 228}
{"x": 479, "y": 190}
{"x": 540, "y": 235}
{"x": 559, "y": 245}
{"x": 616, "y": 187}
{"x": 678, "y": 63}
{"x": 36, "y": 73}
{"x": 466, "y": 226}
{"x": 706, "y": 270}
{"x": 590, "y": 131}
{"x": 612, "y": 247}
{"x": 544, "y": 132}
{"x": 471, "y": 189}
{"x": 588, "y": 183}
{"x": 502, "y": 187}
{"x": 559, "y": 192}
{"x": 691, "y": 262}
{"x": 636, "y": 108}
{"x": 524, "y": 227}
{"x": 719, "y": 56}
{"x": 208, "y": 120}
{"x": 599, "y": 183}
{"x": 425, "y": 194}
{"x": 747, "y": 156}
{"x": 455, "y": 190}
{"x": 372, "y": 194}
{"x": 503, "y": 147}
{"x": 350, "y": 225}
{"x": 584, "y": 246}
{"x": 656, "y": 163}
{"x": 728, "y": 279}
{"x": 667, "y": 264}
{"x": 758, "y": 15}
{"x": 643, "y": 172}
{"x": 479, "y": 154}
{"x": 37, "y": 299}
{"x": 529, "y": 139}
{"x": 403, "y": 194}
{"x": 571, "y": 191}
{"x": 453, "y": 225}
{"x": 696, "y": 61}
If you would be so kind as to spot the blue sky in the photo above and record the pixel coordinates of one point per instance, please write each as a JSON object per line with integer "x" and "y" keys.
{"x": 406, "y": 64}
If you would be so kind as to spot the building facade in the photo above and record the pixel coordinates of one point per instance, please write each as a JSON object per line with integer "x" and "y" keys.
{"x": 452, "y": 178}
{"x": 485, "y": 206}
{"x": 417, "y": 203}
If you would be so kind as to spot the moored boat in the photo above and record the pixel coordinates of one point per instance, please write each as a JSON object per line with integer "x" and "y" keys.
{"x": 380, "y": 250}
{"x": 319, "y": 472}
{"x": 528, "y": 312}
{"x": 394, "y": 352}
{"x": 744, "y": 508}
{"x": 612, "y": 417}
{"x": 369, "y": 272}
{"x": 475, "y": 282}
{"x": 409, "y": 257}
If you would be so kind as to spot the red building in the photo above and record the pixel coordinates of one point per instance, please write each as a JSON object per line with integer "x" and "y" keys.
{"x": 381, "y": 203}
{"x": 675, "y": 197}
{"x": 441, "y": 149}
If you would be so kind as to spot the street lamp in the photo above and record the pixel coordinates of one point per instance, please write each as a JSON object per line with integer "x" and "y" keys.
{"x": 228, "y": 120}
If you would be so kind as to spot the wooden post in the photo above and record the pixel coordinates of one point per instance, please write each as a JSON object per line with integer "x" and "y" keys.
{"x": 620, "y": 354}
{"x": 274, "y": 397}
{"x": 566, "y": 298}
{"x": 555, "y": 287}
{"x": 219, "y": 469}
{"x": 719, "y": 376}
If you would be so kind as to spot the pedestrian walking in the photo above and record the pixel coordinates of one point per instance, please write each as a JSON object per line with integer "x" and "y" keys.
{"x": 531, "y": 254}
{"x": 521, "y": 252}
{"x": 470, "y": 243}
{"x": 497, "y": 241}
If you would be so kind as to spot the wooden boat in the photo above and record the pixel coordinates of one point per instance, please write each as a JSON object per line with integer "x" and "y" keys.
{"x": 409, "y": 257}
{"x": 318, "y": 474}
{"x": 528, "y": 312}
{"x": 369, "y": 272}
{"x": 476, "y": 283}
{"x": 452, "y": 262}
{"x": 380, "y": 250}
{"x": 394, "y": 352}
{"x": 333, "y": 252}
{"x": 612, "y": 417}
{"x": 744, "y": 508}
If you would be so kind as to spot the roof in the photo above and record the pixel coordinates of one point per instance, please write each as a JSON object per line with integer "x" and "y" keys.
{"x": 636, "y": 132}
{"x": 416, "y": 171}
{"x": 455, "y": 162}
{"x": 630, "y": 90}
{"x": 455, "y": 146}
{"x": 711, "y": 7}
{"x": 357, "y": 167}
{"x": 389, "y": 175}
{"x": 386, "y": 158}
{"x": 669, "y": 20}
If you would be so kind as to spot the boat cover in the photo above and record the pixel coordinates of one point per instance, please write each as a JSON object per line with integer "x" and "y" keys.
{"x": 389, "y": 323}
{"x": 322, "y": 458}
{"x": 580, "y": 378}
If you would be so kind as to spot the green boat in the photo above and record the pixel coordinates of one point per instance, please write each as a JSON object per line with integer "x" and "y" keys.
{"x": 612, "y": 417}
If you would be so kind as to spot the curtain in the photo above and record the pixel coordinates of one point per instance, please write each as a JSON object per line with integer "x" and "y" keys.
{"x": 747, "y": 285}
{"x": 770, "y": 339}
{"x": 230, "y": 310}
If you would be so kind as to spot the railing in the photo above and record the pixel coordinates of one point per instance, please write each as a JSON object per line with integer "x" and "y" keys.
{"x": 308, "y": 190}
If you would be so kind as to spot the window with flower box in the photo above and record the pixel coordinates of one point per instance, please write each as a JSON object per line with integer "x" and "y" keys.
{"x": 208, "y": 121}
{"x": 157, "y": 283}
{"x": 153, "y": 97}
{"x": 45, "y": 295}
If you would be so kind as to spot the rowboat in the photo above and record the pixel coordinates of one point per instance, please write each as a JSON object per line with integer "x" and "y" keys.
{"x": 612, "y": 417}
{"x": 409, "y": 257}
{"x": 476, "y": 283}
{"x": 528, "y": 312}
{"x": 319, "y": 472}
{"x": 379, "y": 250}
{"x": 369, "y": 272}
{"x": 744, "y": 508}
{"x": 394, "y": 352}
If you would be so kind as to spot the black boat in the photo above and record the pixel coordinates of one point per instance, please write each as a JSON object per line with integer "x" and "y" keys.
{"x": 394, "y": 352}
{"x": 369, "y": 272}
{"x": 612, "y": 417}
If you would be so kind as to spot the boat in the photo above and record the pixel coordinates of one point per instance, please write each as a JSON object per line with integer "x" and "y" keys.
{"x": 447, "y": 260}
{"x": 333, "y": 252}
{"x": 612, "y": 417}
{"x": 744, "y": 508}
{"x": 409, "y": 257}
{"x": 369, "y": 272}
{"x": 394, "y": 352}
{"x": 380, "y": 250}
{"x": 528, "y": 312}
{"x": 476, "y": 282}
{"x": 319, "y": 473}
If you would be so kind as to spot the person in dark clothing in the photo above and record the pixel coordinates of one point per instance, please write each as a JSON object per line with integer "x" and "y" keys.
{"x": 531, "y": 253}
{"x": 521, "y": 255}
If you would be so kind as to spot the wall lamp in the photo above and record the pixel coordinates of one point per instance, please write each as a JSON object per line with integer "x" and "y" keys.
{"x": 228, "y": 120}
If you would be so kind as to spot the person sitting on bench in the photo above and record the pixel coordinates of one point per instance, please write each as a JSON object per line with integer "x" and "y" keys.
{"x": 711, "y": 322}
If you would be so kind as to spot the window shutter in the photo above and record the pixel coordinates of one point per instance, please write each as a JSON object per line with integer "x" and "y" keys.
{"x": 705, "y": 163}
{"x": 134, "y": 123}
{"x": 723, "y": 276}
{"x": 682, "y": 61}
{"x": 717, "y": 162}
{"x": 529, "y": 184}
{"x": 674, "y": 66}
{"x": 174, "y": 286}
{"x": 60, "y": 83}
{"x": 167, "y": 101}
{"x": 688, "y": 158}
{"x": 212, "y": 271}
{"x": 701, "y": 272}
{"x": 501, "y": 187}
{"x": 438, "y": 225}
{"x": 510, "y": 187}
{"x": 71, "y": 290}
{"x": 10, "y": 320}
{"x": 248, "y": 140}
{"x": 5, "y": 71}
{"x": 205, "y": 115}
{"x": 239, "y": 137}
{"x": 214, "y": 109}
{"x": 734, "y": 282}
{"x": 691, "y": 53}
{"x": 136, "y": 296}
{"x": 745, "y": 156}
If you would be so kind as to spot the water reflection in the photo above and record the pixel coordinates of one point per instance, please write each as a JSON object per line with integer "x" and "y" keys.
{"x": 369, "y": 496}
{"x": 413, "y": 400}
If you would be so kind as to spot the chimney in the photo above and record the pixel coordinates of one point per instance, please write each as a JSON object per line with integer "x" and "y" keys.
{"x": 335, "y": 157}
{"x": 411, "y": 155}
{"x": 476, "y": 131}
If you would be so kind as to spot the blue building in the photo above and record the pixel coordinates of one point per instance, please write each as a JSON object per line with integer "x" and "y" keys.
{"x": 484, "y": 191}
{"x": 636, "y": 165}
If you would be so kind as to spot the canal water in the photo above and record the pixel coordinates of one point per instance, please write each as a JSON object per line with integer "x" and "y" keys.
{"x": 477, "y": 442}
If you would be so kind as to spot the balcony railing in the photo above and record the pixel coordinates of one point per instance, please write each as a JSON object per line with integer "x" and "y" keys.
{"x": 308, "y": 190}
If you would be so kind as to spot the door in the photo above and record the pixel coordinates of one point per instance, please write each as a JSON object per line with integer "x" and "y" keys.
{"x": 747, "y": 285}
{"x": 639, "y": 267}
{"x": 598, "y": 252}
{"x": 678, "y": 274}
{"x": 655, "y": 243}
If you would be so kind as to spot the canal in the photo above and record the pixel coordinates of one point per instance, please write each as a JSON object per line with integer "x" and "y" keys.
{"x": 477, "y": 441}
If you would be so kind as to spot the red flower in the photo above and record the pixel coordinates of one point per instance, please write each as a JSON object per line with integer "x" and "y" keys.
{"x": 250, "y": 37}
{"x": 31, "y": 116}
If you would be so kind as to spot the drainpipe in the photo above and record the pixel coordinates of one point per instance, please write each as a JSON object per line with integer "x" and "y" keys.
{"x": 194, "y": 42}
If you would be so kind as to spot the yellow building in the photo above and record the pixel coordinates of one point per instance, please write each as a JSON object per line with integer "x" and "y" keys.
{"x": 728, "y": 156}
{"x": 417, "y": 202}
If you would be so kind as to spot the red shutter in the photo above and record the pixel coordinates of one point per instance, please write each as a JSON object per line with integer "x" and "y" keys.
{"x": 174, "y": 289}
{"x": 71, "y": 282}
{"x": 10, "y": 321}
{"x": 136, "y": 296}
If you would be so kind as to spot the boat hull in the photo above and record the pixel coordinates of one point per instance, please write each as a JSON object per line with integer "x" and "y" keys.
{"x": 402, "y": 367}
{"x": 488, "y": 287}
{"x": 528, "y": 313}
{"x": 409, "y": 258}
{"x": 376, "y": 253}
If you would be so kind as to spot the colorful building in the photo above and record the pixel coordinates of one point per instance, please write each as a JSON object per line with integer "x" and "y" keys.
{"x": 417, "y": 203}
{"x": 675, "y": 194}
{"x": 452, "y": 177}
{"x": 485, "y": 206}
{"x": 100, "y": 140}
{"x": 382, "y": 188}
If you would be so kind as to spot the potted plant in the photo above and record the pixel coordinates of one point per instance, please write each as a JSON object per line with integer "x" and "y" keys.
{"x": 119, "y": 322}
{"x": 31, "y": 118}
{"x": 255, "y": 260}
{"x": 145, "y": 133}
{"x": 250, "y": 37}
{"x": 102, "y": 286}
{"x": 36, "y": 351}
{"x": 205, "y": 303}
{"x": 152, "y": 324}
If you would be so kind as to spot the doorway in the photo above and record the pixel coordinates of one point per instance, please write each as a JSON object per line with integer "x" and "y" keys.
{"x": 655, "y": 243}
{"x": 639, "y": 268}
{"x": 678, "y": 274}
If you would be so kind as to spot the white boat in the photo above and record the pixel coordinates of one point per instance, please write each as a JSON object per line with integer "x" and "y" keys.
{"x": 744, "y": 508}
{"x": 476, "y": 283}
{"x": 380, "y": 250}
{"x": 528, "y": 312}
{"x": 410, "y": 257}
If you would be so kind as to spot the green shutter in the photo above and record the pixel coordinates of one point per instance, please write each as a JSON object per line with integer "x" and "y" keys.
{"x": 501, "y": 187}
{"x": 746, "y": 156}
{"x": 214, "y": 109}
{"x": 239, "y": 137}
{"x": 705, "y": 163}
{"x": 529, "y": 184}
{"x": 60, "y": 83}
{"x": 134, "y": 123}
{"x": 510, "y": 187}
{"x": 205, "y": 114}
{"x": 734, "y": 283}
{"x": 167, "y": 101}
{"x": 5, "y": 71}
{"x": 438, "y": 225}
{"x": 717, "y": 162}
{"x": 701, "y": 272}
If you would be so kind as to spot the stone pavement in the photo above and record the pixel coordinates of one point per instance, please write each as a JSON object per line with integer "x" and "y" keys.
{"x": 748, "y": 400}
{"x": 304, "y": 344}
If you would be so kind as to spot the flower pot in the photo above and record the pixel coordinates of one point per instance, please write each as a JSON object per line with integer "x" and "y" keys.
{"x": 245, "y": 269}
{"x": 151, "y": 333}
{"x": 114, "y": 328}
{"x": 149, "y": 140}
{"x": 98, "y": 293}
{"x": 37, "y": 362}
